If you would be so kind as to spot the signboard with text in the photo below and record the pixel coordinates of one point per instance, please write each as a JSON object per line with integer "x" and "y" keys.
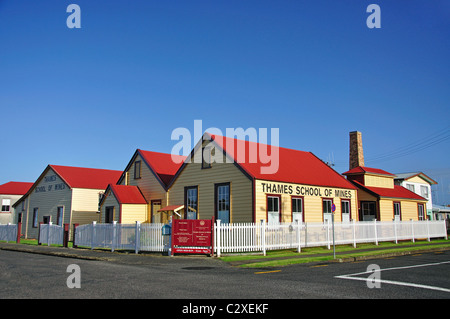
{"x": 192, "y": 236}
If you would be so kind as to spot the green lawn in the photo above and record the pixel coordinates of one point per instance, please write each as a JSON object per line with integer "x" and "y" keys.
{"x": 316, "y": 254}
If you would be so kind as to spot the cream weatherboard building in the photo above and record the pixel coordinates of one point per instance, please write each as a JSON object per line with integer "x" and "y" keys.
{"x": 235, "y": 188}
{"x": 63, "y": 195}
{"x": 154, "y": 187}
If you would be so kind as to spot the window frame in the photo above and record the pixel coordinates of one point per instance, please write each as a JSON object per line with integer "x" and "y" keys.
{"x": 302, "y": 199}
{"x": 278, "y": 197}
{"x": 216, "y": 199}
{"x": 186, "y": 199}
{"x": 137, "y": 169}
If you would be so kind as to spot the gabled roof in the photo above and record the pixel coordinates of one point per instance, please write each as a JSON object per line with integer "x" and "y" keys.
{"x": 15, "y": 188}
{"x": 164, "y": 166}
{"x": 81, "y": 177}
{"x": 367, "y": 170}
{"x": 396, "y": 192}
{"x": 407, "y": 176}
{"x": 78, "y": 177}
{"x": 294, "y": 166}
{"x": 127, "y": 194}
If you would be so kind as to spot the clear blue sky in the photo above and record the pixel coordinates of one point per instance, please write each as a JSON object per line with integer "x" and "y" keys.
{"x": 137, "y": 70}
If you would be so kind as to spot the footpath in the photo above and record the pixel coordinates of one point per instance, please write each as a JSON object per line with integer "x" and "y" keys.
{"x": 158, "y": 258}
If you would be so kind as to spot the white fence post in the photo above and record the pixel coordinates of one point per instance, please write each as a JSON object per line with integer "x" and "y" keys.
{"x": 375, "y": 230}
{"x": 428, "y": 230}
{"x": 412, "y": 231}
{"x": 328, "y": 234}
{"x": 217, "y": 237}
{"x": 48, "y": 233}
{"x": 138, "y": 237}
{"x": 395, "y": 230}
{"x": 354, "y": 233}
{"x": 93, "y": 235}
{"x": 299, "y": 249}
{"x": 263, "y": 235}
{"x": 113, "y": 235}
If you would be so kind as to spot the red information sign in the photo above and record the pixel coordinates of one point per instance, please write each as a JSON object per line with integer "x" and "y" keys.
{"x": 192, "y": 236}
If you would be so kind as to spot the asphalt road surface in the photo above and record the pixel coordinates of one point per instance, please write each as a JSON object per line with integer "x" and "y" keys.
{"x": 34, "y": 276}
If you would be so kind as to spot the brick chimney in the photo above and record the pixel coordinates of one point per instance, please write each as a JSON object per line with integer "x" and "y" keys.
{"x": 356, "y": 150}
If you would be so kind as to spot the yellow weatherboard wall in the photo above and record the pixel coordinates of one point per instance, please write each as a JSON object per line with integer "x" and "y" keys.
{"x": 312, "y": 199}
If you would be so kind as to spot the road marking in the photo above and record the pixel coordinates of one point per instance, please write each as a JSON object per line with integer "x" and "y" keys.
{"x": 266, "y": 272}
{"x": 318, "y": 266}
{"x": 399, "y": 283}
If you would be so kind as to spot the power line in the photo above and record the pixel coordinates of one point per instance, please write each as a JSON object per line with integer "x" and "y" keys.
{"x": 427, "y": 142}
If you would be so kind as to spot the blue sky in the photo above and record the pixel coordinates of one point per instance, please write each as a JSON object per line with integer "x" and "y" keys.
{"x": 137, "y": 70}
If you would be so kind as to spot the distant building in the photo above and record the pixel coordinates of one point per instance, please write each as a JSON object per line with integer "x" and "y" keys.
{"x": 63, "y": 195}
{"x": 9, "y": 194}
{"x": 378, "y": 196}
{"x": 420, "y": 184}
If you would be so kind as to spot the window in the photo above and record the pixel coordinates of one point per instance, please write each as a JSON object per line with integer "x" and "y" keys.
{"x": 421, "y": 211}
{"x": 273, "y": 209}
{"x": 424, "y": 191}
{"x": 35, "y": 217}
{"x": 137, "y": 169}
{"x": 6, "y": 205}
{"x": 345, "y": 210}
{"x": 59, "y": 215}
{"x": 191, "y": 202}
{"x": 397, "y": 211}
{"x": 411, "y": 187}
{"x": 222, "y": 194}
{"x": 297, "y": 209}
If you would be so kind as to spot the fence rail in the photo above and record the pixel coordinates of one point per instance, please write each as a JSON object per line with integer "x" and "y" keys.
{"x": 260, "y": 237}
{"x": 138, "y": 237}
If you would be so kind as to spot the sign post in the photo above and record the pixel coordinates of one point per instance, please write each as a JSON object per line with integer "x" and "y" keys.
{"x": 333, "y": 209}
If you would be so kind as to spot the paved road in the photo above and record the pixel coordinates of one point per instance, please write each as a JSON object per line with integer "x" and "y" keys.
{"x": 25, "y": 275}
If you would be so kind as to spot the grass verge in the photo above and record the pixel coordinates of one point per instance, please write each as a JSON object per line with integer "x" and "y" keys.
{"x": 317, "y": 254}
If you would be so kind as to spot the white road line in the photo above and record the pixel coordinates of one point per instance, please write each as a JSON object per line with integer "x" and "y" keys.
{"x": 374, "y": 280}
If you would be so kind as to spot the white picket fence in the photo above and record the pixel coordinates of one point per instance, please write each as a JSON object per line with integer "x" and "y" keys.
{"x": 260, "y": 237}
{"x": 8, "y": 232}
{"x": 137, "y": 237}
{"x": 51, "y": 234}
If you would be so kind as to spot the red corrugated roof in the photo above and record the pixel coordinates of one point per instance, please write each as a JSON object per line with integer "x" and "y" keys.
{"x": 294, "y": 166}
{"x": 363, "y": 169}
{"x": 396, "y": 192}
{"x": 163, "y": 164}
{"x": 81, "y": 177}
{"x": 15, "y": 188}
{"x": 127, "y": 194}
